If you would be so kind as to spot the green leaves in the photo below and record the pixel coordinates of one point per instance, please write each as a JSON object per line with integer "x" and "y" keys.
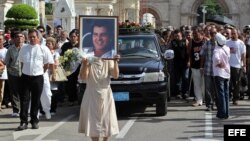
{"x": 22, "y": 11}
{"x": 213, "y": 8}
{"x": 48, "y": 9}
{"x": 22, "y": 16}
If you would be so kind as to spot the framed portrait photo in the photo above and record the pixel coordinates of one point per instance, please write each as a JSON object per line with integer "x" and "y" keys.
{"x": 98, "y": 36}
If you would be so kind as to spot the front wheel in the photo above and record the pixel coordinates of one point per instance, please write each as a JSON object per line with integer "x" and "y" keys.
{"x": 161, "y": 106}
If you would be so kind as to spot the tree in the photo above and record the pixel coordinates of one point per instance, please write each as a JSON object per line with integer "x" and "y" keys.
{"x": 213, "y": 8}
{"x": 48, "y": 9}
{"x": 21, "y": 16}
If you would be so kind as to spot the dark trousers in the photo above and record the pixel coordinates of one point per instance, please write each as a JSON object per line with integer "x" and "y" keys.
{"x": 210, "y": 93}
{"x": 7, "y": 96}
{"x": 54, "y": 100}
{"x": 14, "y": 87}
{"x": 248, "y": 79}
{"x": 235, "y": 83}
{"x": 71, "y": 85}
{"x": 181, "y": 79}
{"x": 31, "y": 90}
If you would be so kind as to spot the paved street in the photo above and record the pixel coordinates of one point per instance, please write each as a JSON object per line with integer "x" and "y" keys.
{"x": 182, "y": 123}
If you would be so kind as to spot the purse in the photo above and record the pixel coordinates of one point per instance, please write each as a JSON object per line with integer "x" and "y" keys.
{"x": 60, "y": 74}
{"x": 1, "y": 72}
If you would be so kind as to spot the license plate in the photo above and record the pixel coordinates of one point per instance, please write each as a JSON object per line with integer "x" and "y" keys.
{"x": 121, "y": 96}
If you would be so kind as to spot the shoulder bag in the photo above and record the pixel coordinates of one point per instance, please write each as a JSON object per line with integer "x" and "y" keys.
{"x": 60, "y": 74}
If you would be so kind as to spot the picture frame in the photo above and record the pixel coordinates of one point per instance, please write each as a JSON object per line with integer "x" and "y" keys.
{"x": 98, "y": 36}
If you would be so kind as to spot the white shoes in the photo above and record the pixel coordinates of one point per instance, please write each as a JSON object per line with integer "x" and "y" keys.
{"x": 197, "y": 104}
{"x": 47, "y": 115}
{"x": 15, "y": 115}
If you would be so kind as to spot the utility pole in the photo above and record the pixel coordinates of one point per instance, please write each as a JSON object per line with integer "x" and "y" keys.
{"x": 204, "y": 11}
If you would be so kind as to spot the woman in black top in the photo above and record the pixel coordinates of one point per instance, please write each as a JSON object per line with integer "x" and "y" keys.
{"x": 71, "y": 84}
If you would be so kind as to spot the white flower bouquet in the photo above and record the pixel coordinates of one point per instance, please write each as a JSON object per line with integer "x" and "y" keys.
{"x": 71, "y": 60}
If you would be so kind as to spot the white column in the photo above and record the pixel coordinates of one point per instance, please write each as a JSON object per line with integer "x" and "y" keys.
{"x": 42, "y": 12}
{"x": 110, "y": 10}
{"x": 89, "y": 10}
{"x": 137, "y": 12}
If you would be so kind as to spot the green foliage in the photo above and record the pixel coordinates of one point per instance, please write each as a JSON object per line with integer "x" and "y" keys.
{"x": 21, "y": 16}
{"x": 21, "y": 23}
{"x": 48, "y": 9}
{"x": 22, "y": 11}
{"x": 213, "y": 8}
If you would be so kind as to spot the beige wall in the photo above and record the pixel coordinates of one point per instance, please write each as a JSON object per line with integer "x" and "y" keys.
{"x": 169, "y": 12}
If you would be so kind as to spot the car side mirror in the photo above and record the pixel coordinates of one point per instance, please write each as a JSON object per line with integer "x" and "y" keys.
{"x": 169, "y": 54}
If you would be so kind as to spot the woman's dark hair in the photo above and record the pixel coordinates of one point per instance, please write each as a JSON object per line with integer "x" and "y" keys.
{"x": 76, "y": 31}
{"x": 40, "y": 27}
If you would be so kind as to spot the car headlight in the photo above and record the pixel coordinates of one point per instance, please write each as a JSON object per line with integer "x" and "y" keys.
{"x": 153, "y": 77}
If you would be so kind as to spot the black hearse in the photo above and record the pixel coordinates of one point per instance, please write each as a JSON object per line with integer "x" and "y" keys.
{"x": 143, "y": 71}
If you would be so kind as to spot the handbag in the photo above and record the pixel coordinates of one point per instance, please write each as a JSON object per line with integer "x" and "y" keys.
{"x": 60, "y": 74}
{"x": 1, "y": 72}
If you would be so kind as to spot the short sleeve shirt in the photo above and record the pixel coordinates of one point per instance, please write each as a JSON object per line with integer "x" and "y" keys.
{"x": 33, "y": 58}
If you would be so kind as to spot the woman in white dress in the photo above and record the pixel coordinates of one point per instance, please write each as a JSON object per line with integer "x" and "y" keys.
{"x": 98, "y": 114}
{"x": 3, "y": 75}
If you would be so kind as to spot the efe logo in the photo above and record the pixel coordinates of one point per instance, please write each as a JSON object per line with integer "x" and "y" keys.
{"x": 241, "y": 132}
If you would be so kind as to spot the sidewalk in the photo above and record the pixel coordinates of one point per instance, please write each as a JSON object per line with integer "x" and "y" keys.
{"x": 7, "y": 124}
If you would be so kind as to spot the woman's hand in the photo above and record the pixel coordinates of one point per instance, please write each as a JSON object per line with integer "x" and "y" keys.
{"x": 85, "y": 61}
{"x": 84, "y": 71}
{"x": 221, "y": 65}
{"x": 115, "y": 72}
{"x": 53, "y": 77}
{"x": 117, "y": 58}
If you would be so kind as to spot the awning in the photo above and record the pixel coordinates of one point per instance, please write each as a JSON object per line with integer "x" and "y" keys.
{"x": 220, "y": 19}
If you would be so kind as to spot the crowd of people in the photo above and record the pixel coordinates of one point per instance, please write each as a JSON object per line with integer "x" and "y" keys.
{"x": 29, "y": 58}
{"x": 211, "y": 62}
{"x": 28, "y": 64}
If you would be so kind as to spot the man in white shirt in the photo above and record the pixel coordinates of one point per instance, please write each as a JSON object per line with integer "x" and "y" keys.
{"x": 237, "y": 63}
{"x": 35, "y": 60}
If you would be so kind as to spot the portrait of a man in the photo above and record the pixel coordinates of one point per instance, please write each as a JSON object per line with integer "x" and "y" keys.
{"x": 99, "y": 36}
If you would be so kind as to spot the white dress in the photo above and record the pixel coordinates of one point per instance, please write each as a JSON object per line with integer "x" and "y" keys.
{"x": 98, "y": 114}
{"x": 3, "y": 52}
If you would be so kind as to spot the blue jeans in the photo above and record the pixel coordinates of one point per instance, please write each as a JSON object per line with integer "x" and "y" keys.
{"x": 210, "y": 95}
{"x": 222, "y": 89}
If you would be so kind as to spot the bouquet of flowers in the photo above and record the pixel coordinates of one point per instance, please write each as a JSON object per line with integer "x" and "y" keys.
{"x": 70, "y": 60}
{"x": 135, "y": 27}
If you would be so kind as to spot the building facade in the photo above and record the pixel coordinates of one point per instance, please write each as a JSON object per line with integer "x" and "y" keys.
{"x": 165, "y": 12}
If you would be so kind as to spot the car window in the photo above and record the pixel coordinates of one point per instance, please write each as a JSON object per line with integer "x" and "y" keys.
{"x": 137, "y": 47}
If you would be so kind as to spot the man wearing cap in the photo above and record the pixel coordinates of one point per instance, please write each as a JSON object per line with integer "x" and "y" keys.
{"x": 221, "y": 70}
